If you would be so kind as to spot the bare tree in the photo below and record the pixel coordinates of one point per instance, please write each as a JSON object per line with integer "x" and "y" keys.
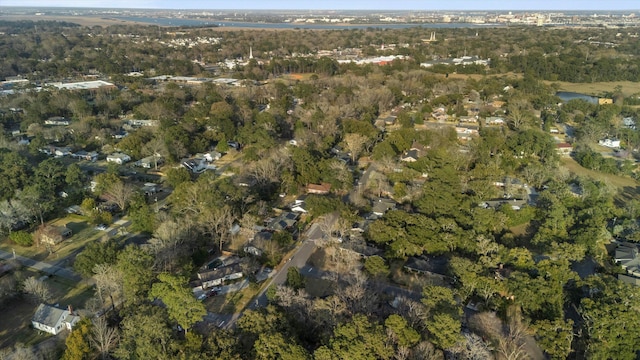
{"x": 355, "y": 144}
{"x": 472, "y": 347}
{"x": 12, "y": 212}
{"x": 37, "y": 289}
{"x": 103, "y": 337}
{"x": 119, "y": 193}
{"x": 217, "y": 223}
{"x": 157, "y": 148}
{"x": 21, "y": 352}
{"x": 426, "y": 351}
{"x": 512, "y": 344}
{"x": 108, "y": 281}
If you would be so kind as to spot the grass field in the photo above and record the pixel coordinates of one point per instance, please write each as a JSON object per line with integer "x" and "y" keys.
{"x": 628, "y": 188}
{"x": 596, "y": 88}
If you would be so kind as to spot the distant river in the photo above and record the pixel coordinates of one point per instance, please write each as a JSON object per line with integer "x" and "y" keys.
{"x": 238, "y": 24}
{"x": 567, "y": 96}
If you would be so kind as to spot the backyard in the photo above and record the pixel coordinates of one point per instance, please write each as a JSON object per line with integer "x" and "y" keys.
{"x": 15, "y": 326}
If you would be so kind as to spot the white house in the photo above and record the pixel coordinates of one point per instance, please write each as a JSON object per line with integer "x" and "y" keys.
{"x": 118, "y": 158}
{"x": 53, "y": 320}
{"x": 610, "y": 143}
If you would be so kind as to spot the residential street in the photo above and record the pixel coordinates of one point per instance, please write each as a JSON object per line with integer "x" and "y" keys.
{"x": 50, "y": 269}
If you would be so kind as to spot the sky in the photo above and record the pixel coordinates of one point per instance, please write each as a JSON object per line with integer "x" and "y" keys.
{"x": 340, "y": 4}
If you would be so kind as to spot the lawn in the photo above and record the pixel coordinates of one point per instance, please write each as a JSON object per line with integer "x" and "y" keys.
{"x": 628, "y": 188}
{"x": 82, "y": 234}
{"x": 596, "y": 88}
{"x": 15, "y": 326}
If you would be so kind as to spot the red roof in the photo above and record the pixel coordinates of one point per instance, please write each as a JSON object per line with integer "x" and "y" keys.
{"x": 564, "y": 145}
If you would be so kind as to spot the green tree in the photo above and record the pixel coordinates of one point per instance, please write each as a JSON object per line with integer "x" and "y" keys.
{"x": 21, "y": 238}
{"x": 181, "y": 305}
{"x": 78, "y": 344}
{"x": 145, "y": 335}
{"x": 177, "y": 176}
{"x": 376, "y": 266}
{"x": 274, "y": 346}
{"x": 611, "y": 318}
{"x": 295, "y": 279}
{"x": 136, "y": 266}
{"x": 96, "y": 253}
{"x": 74, "y": 177}
{"x": 50, "y": 174}
{"x": 142, "y": 218}
{"x": 359, "y": 339}
{"x": 555, "y": 337}
{"x": 403, "y": 334}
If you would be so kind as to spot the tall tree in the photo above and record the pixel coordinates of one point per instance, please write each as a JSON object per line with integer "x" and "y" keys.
{"x": 181, "y": 305}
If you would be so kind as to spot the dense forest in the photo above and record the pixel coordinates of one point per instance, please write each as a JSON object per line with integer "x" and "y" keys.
{"x": 524, "y": 242}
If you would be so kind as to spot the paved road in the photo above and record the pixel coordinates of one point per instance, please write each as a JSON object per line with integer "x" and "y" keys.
{"x": 50, "y": 269}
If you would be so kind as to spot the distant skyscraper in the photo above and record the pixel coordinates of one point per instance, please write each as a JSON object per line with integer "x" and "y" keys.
{"x": 250, "y": 53}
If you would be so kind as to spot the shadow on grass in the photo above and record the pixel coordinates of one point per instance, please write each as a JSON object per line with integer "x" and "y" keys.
{"x": 15, "y": 326}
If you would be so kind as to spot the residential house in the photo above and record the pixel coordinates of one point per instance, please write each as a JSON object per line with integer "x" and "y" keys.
{"x": 428, "y": 265}
{"x": 218, "y": 276}
{"x": 284, "y": 222}
{"x": 83, "y": 155}
{"x": 319, "y": 189}
{"x": 54, "y": 235}
{"x": 382, "y": 205}
{"x": 245, "y": 180}
{"x": 53, "y": 320}
{"x": 466, "y": 132}
{"x": 610, "y": 143}
{"x": 468, "y": 119}
{"x": 62, "y": 151}
{"x": 299, "y": 208}
{"x": 57, "y": 121}
{"x": 494, "y": 120}
{"x": 120, "y": 134}
{"x": 195, "y": 165}
{"x": 629, "y": 123}
{"x": 150, "y": 161}
{"x": 564, "y": 149}
{"x": 118, "y": 158}
{"x": 628, "y": 256}
{"x": 410, "y": 156}
{"x": 139, "y": 123}
{"x": 212, "y": 156}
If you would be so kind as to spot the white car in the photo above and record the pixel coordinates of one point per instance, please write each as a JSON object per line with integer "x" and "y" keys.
{"x": 101, "y": 227}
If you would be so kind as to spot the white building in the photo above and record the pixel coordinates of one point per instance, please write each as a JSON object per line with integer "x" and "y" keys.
{"x": 53, "y": 320}
{"x": 610, "y": 143}
{"x": 118, "y": 158}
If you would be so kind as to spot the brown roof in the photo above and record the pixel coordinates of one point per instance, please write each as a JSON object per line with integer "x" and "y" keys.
{"x": 319, "y": 188}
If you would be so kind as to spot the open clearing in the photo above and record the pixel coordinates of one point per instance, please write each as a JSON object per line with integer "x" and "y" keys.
{"x": 628, "y": 188}
{"x": 596, "y": 88}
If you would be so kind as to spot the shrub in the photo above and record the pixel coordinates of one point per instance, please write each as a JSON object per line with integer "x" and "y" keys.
{"x": 21, "y": 238}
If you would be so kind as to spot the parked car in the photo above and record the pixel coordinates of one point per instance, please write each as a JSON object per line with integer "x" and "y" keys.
{"x": 101, "y": 227}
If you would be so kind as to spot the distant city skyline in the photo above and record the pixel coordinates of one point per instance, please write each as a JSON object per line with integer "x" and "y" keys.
{"x": 460, "y": 5}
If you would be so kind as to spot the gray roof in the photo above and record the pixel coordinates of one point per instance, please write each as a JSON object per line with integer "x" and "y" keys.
{"x": 48, "y": 315}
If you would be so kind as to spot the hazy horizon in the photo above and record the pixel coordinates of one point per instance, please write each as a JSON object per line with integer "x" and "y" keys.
{"x": 399, "y": 5}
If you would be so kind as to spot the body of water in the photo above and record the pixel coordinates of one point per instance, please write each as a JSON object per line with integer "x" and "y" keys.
{"x": 567, "y": 96}
{"x": 252, "y": 25}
